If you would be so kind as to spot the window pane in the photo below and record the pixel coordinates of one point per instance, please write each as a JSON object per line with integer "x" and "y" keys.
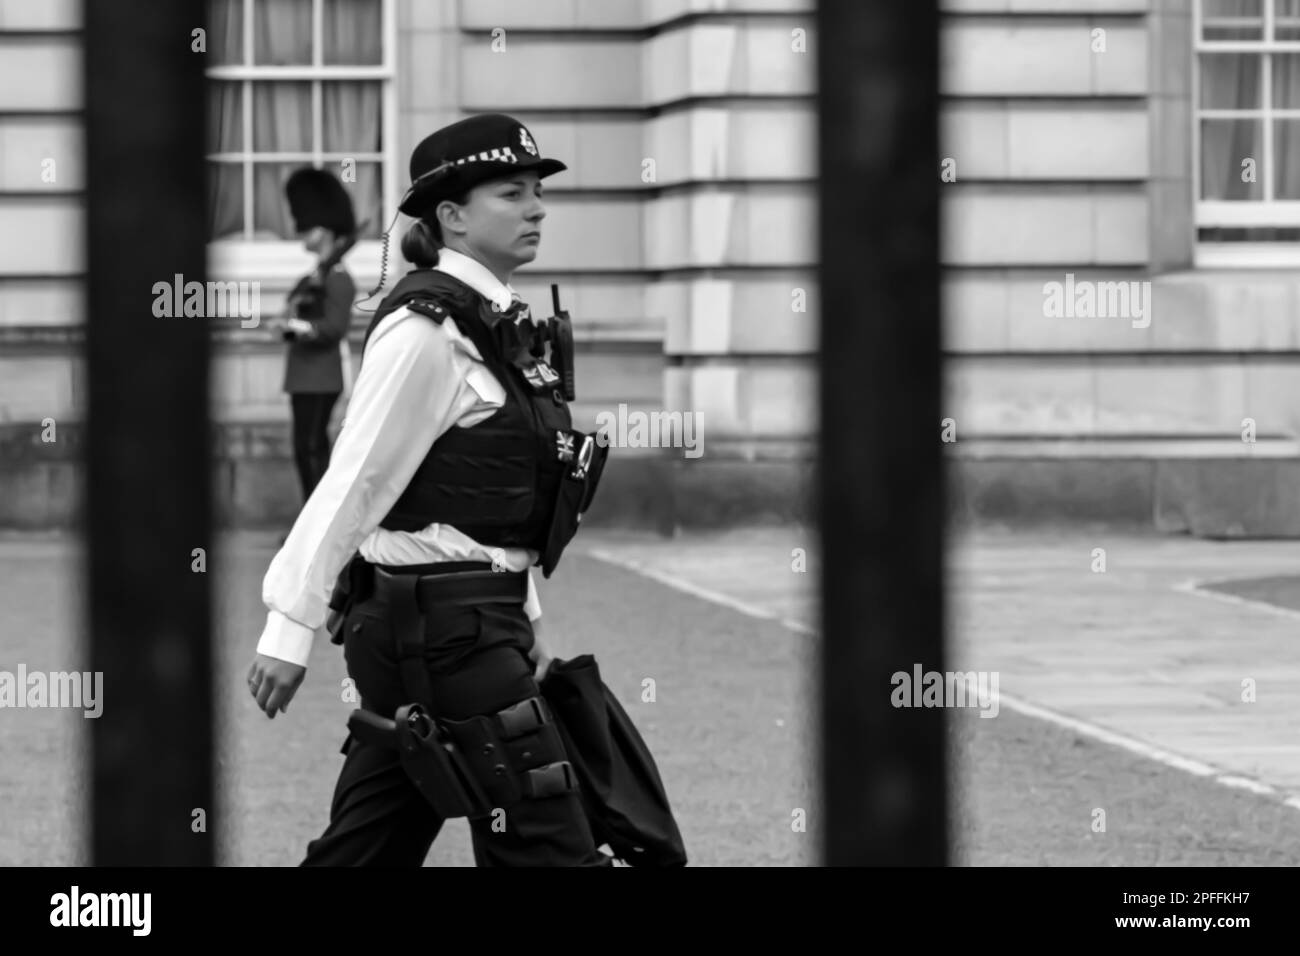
{"x": 350, "y": 112}
{"x": 282, "y": 32}
{"x": 282, "y": 117}
{"x": 225, "y": 201}
{"x": 1286, "y": 81}
{"x": 1286, "y": 149}
{"x": 1232, "y": 20}
{"x": 271, "y": 219}
{"x": 367, "y": 197}
{"x": 1286, "y": 26}
{"x": 352, "y": 32}
{"x": 1230, "y": 81}
{"x": 225, "y": 38}
{"x": 225, "y": 117}
{"x": 1226, "y": 145}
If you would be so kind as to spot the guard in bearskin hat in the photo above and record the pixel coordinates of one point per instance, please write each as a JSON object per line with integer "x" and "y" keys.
{"x": 318, "y": 315}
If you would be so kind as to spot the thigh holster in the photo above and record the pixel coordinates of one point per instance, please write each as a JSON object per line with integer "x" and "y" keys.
{"x": 469, "y": 768}
{"x": 464, "y": 768}
{"x": 436, "y": 767}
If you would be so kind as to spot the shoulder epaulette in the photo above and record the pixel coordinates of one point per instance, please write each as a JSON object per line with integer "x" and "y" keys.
{"x": 428, "y": 308}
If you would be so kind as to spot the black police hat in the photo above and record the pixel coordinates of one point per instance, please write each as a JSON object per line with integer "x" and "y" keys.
{"x": 317, "y": 198}
{"x": 471, "y": 151}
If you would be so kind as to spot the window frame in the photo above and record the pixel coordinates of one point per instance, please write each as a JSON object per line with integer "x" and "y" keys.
{"x": 1226, "y": 213}
{"x": 249, "y": 258}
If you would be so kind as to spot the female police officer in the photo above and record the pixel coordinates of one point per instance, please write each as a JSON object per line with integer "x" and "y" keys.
{"x": 455, "y": 472}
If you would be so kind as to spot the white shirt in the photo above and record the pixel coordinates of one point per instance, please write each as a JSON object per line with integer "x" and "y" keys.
{"x": 418, "y": 379}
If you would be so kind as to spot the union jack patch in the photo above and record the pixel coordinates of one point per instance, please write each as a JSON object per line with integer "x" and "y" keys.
{"x": 564, "y": 446}
{"x": 540, "y": 375}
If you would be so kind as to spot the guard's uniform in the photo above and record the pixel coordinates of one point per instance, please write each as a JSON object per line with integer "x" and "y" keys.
{"x": 317, "y": 359}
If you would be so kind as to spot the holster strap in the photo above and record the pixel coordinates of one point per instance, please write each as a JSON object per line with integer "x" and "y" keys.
{"x": 404, "y": 617}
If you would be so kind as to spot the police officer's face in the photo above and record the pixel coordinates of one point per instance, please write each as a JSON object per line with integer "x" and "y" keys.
{"x": 502, "y": 221}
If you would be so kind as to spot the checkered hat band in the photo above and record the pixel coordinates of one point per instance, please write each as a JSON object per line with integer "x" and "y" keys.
{"x": 503, "y": 155}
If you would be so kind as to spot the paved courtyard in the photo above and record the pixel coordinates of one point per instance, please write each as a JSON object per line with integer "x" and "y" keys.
{"x": 1138, "y": 687}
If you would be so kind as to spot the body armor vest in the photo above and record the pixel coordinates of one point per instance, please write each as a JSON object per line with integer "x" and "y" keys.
{"x": 522, "y": 477}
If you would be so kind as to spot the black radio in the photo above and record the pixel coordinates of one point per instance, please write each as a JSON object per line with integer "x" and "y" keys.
{"x": 552, "y": 342}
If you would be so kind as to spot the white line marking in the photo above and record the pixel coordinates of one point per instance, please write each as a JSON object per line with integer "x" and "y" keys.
{"x": 1245, "y": 783}
{"x": 1194, "y": 588}
{"x": 717, "y": 598}
{"x": 1141, "y": 748}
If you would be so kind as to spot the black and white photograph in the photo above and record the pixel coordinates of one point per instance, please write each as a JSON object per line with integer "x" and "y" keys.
{"x": 652, "y": 433}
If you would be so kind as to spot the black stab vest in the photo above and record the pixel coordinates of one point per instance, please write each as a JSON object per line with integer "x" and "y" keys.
{"x": 495, "y": 481}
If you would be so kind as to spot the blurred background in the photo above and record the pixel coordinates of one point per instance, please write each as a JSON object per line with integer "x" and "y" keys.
{"x": 1122, "y": 141}
{"x": 1107, "y": 140}
{"x": 1140, "y": 145}
{"x": 681, "y": 236}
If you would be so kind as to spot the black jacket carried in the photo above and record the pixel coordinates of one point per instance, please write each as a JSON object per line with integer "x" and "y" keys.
{"x": 622, "y": 792}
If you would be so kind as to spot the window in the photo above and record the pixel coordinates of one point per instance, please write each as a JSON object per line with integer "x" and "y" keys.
{"x": 1247, "y": 120}
{"x": 295, "y": 83}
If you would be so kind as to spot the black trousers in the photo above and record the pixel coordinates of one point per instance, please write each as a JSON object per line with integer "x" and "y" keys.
{"x": 311, "y": 444}
{"x": 477, "y": 661}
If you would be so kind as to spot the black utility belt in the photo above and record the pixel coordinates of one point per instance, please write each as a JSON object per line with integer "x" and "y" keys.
{"x": 463, "y": 583}
{"x": 452, "y": 587}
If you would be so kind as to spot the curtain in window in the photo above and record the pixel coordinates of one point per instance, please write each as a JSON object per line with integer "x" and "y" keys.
{"x": 282, "y": 118}
{"x": 225, "y": 31}
{"x": 225, "y": 43}
{"x": 351, "y": 112}
{"x": 351, "y": 33}
{"x": 282, "y": 32}
{"x": 1234, "y": 81}
{"x": 350, "y": 120}
{"x": 1231, "y": 81}
{"x": 1286, "y": 95}
{"x": 225, "y": 180}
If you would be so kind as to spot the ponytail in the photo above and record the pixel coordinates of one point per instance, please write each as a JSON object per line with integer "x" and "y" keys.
{"x": 419, "y": 247}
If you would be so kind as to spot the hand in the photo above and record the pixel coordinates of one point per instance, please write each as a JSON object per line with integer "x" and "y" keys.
{"x": 273, "y": 683}
{"x": 300, "y": 328}
{"x": 538, "y": 655}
